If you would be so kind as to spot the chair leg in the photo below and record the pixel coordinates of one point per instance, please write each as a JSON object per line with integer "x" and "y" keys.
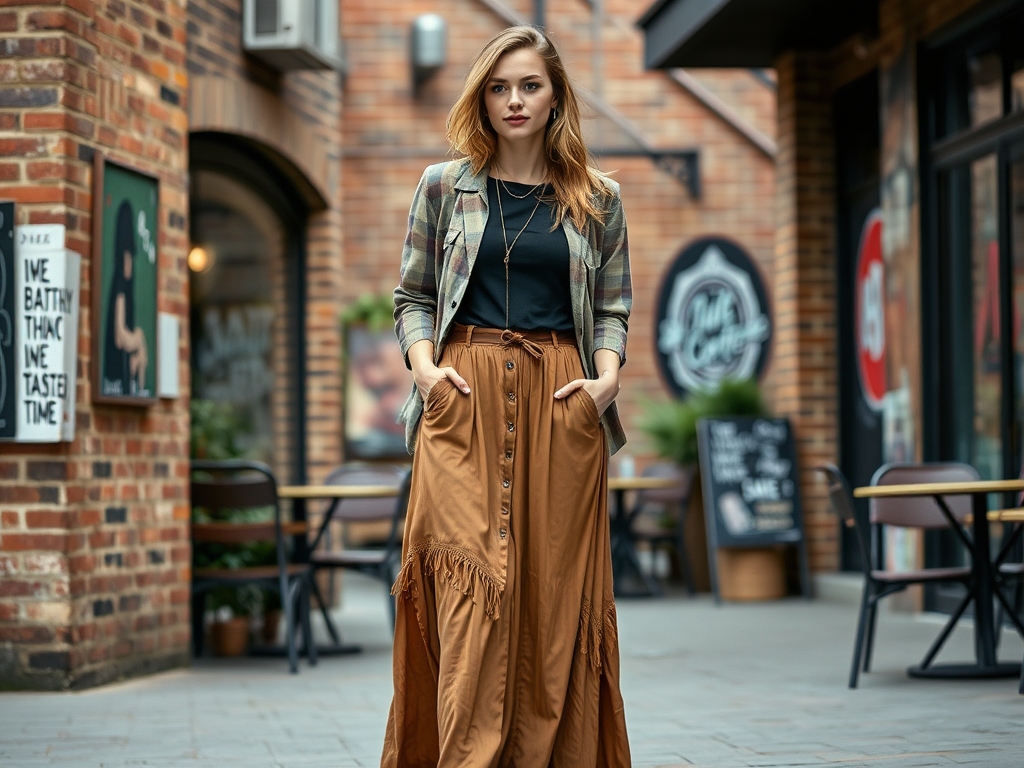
{"x": 866, "y": 601}
{"x": 307, "y": 624}
{"x": 331, "y": 629}
{"x": 869, "y": 644}
{"x": 1002, "y": 604}
{"x": 288, "y": 603}
{"x": 198, "y": 626}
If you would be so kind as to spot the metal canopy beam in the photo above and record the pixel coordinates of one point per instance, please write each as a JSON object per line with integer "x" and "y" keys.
{"x": 746, "y": 33}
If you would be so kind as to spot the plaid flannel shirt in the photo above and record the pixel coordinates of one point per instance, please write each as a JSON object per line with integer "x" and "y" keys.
{"x": 446, "y": 225}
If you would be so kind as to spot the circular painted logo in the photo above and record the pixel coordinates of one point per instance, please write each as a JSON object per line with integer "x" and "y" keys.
{"x": 869, "y": 312}
{"x": 713, "y": 319}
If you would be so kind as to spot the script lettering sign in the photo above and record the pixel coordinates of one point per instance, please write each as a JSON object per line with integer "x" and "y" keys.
{"x": 713, "y": 320}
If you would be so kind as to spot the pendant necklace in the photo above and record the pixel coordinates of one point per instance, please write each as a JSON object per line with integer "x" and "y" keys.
{"x": 504, "y": 236}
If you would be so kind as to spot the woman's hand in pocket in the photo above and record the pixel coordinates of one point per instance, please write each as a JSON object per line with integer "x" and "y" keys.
{"x": 603, "y": 390}
{"x": 427, "y": 376}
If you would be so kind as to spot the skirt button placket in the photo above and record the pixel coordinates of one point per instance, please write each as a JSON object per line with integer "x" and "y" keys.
{"x": 506, "y": 468}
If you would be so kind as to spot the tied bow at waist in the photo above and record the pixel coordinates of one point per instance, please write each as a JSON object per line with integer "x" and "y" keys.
{"x": 513, "y": 338}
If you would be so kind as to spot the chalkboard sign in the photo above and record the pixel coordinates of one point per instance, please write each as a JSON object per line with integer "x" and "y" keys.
{"x": 8, "y": 409}
{"x": 750, "y": 485}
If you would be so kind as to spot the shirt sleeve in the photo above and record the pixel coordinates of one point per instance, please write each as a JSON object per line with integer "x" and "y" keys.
{"x": 613, "y": 291}
{"x": 416, "y": 294}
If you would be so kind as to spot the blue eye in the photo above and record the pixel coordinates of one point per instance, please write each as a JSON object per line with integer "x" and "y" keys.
{"x": 531, "y": 86}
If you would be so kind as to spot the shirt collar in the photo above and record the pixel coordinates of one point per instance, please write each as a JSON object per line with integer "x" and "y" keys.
{"x": 469, "y": 181}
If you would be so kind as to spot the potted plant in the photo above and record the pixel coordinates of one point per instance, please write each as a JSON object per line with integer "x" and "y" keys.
{"x": 744, "y": 574}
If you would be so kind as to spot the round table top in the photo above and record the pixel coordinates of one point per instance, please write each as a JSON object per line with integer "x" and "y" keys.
{"x": 337, "y": 491}
{"x": 642, "y": 483}
{"x": 938, "y": 489}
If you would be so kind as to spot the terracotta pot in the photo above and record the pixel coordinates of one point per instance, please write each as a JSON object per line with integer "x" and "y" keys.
{"x": 751, "y": 574}
{"x": 231, "y": 637}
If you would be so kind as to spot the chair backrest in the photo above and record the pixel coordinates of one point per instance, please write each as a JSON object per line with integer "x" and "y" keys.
{"x": 366, "y": 509}
{"x": 842, "y": 505}
{"x": 234, "y": 485}
{"x": 921, "y": 511}
{"x": 666, "y": 497}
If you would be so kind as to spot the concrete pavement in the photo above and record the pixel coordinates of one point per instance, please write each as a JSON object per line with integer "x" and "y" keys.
{"x": 717, "y": 687}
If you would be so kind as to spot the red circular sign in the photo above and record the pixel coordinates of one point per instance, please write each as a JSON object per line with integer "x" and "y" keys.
{"x": 869, "y": 311}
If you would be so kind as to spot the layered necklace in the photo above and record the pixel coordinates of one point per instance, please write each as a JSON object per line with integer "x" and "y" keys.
{"x": 504, "y": 234}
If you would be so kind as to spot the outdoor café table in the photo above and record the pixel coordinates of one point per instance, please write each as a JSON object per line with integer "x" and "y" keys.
{"x": 623, "y": 552}
{"x": 299, "y": 495}
{"x": 983, "y": 581}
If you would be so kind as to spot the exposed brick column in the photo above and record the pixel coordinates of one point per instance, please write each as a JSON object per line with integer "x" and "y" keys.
{"x": 94, "y": 555}
{"x": 805, "y": 374}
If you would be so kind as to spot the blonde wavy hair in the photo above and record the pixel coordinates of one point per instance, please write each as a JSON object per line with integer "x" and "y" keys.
{"x": 579, "y": 189}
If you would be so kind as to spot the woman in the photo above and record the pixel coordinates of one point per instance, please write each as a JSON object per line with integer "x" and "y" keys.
{"x": 512, "y": 313}
{"x": 125, "y": 354}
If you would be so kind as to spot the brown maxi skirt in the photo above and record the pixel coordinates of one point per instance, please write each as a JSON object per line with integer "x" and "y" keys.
{"x": 506, "y": 647}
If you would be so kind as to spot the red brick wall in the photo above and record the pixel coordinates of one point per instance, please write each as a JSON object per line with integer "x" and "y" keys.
{"x": 93, "y": 533}
{"x": 805, "y": 375}
{"x": 94, "y": 548}
{"x": 310, "y": 102}
{"x": 390, "y": 135}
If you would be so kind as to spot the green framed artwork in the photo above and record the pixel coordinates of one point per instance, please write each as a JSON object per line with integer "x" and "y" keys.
{"x": 126, "y": 206}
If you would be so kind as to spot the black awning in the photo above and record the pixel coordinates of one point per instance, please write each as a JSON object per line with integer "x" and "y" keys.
{"x": 746, "y": 33}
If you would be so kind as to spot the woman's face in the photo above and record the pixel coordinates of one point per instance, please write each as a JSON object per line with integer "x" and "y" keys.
{"x": 519, "y": 96}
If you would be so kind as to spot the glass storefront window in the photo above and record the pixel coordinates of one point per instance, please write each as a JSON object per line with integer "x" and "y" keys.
{"x": 986, "y": 363}
{"x": 1017, "y": 87}
{"x": 1017, "y": 256}
{"x": 985, "y": 94}
{"x": 239, "y": 341}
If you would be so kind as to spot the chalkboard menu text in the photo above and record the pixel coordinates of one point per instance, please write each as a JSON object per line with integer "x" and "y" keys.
{"x": 750, "y": 485}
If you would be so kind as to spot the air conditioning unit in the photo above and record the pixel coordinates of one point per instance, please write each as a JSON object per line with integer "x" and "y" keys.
{"x": 292, "y": 34}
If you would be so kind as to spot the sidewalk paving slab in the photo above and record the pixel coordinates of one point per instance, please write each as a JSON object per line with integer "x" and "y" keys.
{"x": 759, "y": 685}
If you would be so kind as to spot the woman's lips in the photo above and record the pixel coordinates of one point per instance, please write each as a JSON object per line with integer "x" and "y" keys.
{"x": 516, "y": 120}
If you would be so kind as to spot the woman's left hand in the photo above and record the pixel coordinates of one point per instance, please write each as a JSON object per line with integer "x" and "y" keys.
{"x": 603, "y": 390}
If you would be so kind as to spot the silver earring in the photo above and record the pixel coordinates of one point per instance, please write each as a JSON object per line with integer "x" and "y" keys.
{"x": 554, "y": 116}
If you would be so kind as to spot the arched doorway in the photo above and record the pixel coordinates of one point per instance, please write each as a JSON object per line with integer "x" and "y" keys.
{"x": 246, "y": 297}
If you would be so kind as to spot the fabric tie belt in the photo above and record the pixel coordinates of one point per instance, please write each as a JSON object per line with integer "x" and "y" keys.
{"x": 533, "y": 342}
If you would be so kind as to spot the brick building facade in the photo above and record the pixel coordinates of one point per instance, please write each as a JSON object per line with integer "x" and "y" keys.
{"x": 94, "y": 551}
{"x": 260, "y": 169}
{"x": 909, "y": 111}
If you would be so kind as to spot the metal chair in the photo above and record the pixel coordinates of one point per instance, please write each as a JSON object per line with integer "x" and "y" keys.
{"x": 920, "y": 512}
{"x": 378, "y": 562}
{"x": 231, "y": 486}
{"x": 666, "y": 503}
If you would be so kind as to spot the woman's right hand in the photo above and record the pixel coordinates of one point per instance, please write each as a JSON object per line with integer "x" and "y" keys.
{"x": 427, "y": 376}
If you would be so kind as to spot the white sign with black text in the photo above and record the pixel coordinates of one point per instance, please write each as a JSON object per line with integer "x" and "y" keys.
{"x": 47, "y": 284}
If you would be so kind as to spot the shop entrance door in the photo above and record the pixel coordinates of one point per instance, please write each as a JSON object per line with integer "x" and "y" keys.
{"x": 861, "y": 323}
{"x": 246, "y": 300}
{"x": 973, "y": 260}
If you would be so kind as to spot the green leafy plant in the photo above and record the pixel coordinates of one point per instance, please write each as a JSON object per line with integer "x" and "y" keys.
{"x": 215, "y": 430}
{"x": 672, "y": 425}
{"x": 375, "y": 311}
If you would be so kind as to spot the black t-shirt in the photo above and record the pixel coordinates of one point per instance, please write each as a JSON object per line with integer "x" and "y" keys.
{"x": 538, "y": 268}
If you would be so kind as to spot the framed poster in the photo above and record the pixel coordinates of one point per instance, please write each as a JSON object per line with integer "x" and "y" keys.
{"x": 126, "y": 205}
{"x": 376, "y": 385}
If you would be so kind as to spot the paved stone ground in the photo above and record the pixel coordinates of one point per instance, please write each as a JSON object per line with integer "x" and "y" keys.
{"x": 717, "y": 687}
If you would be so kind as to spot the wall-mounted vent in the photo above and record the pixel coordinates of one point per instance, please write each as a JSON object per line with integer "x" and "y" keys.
{"x": 293, "y": 34}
